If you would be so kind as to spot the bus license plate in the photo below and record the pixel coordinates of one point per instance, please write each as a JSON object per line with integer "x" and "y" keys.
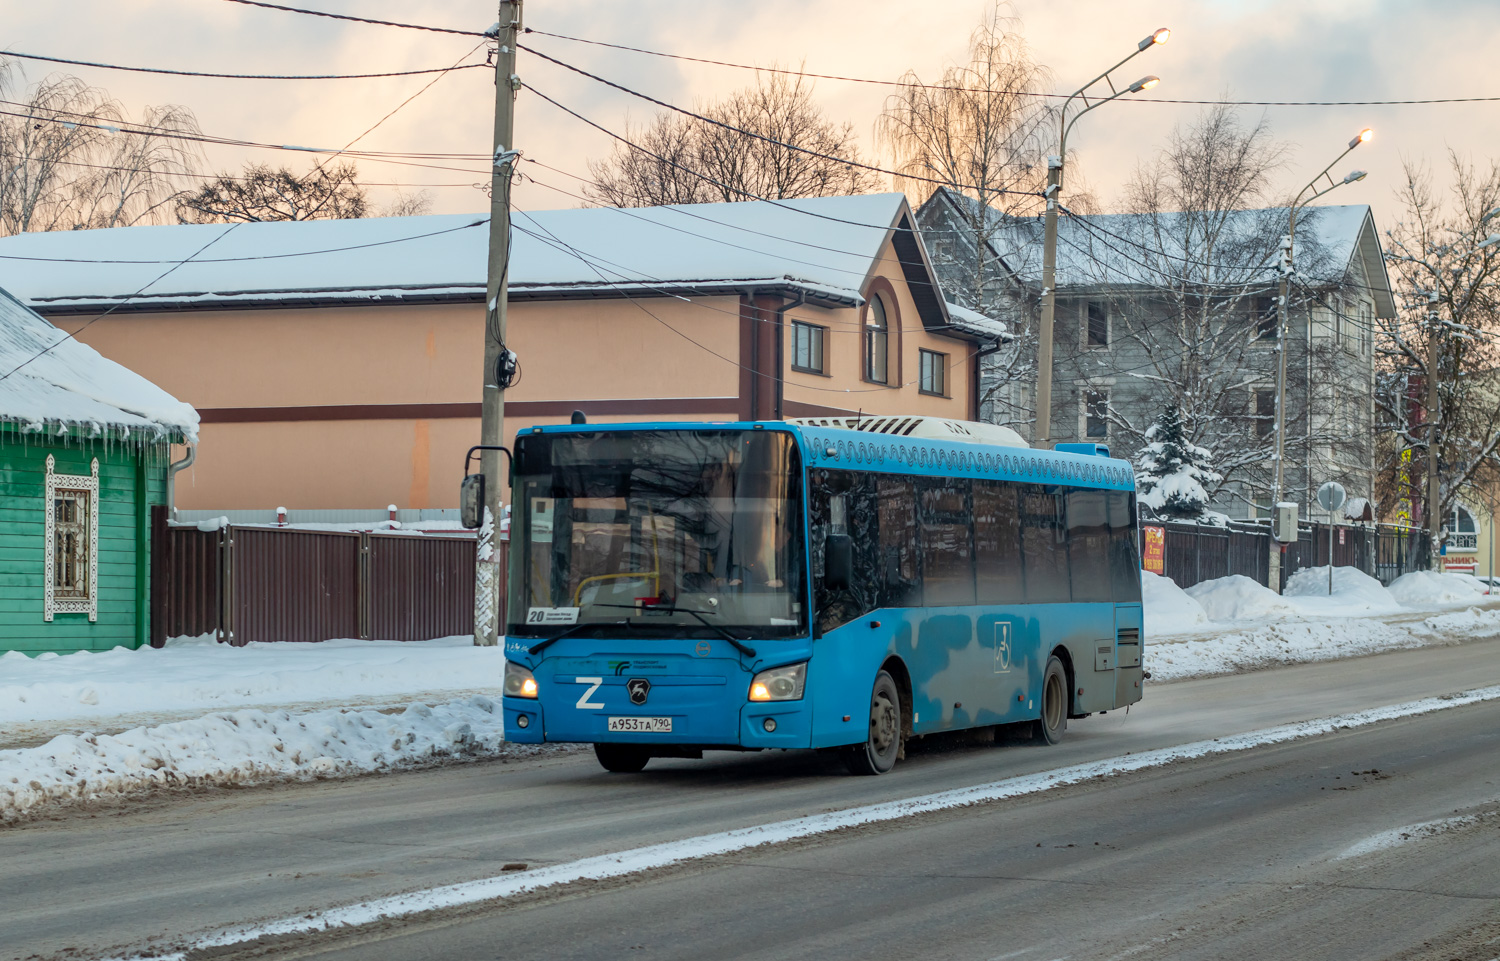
{"x": 645, "y": 725}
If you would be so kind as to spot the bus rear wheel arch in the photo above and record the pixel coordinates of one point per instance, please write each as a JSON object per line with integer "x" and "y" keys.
{"x": 1050, "y": 727}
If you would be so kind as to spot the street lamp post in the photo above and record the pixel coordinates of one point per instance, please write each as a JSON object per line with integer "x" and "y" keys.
{"x": 1283, "y": 330}
{"x": 1042, "y": 433}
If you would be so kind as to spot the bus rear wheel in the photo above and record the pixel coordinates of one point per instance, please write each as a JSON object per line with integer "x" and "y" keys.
{"x": 883, "y": 743}
{"x": 622, "y": 758}
{"x": 1050, "y": 727}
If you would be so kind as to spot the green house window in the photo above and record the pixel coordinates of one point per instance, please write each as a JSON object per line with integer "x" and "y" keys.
{"x": 71, "y": 550}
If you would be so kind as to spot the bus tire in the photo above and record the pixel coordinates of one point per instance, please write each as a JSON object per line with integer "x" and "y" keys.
{"x": 622, "y": 758}
{"x": 883, "y": 743}
{"x": 1053, "y": 724}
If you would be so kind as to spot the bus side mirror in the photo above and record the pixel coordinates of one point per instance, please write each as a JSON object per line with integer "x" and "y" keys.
{"x": 471, "y": 501}
{"x": 838, "y": 561}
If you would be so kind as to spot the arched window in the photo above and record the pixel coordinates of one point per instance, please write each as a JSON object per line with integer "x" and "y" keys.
{"x": 877, "y": 340}
{"x": 1463, "y": 530}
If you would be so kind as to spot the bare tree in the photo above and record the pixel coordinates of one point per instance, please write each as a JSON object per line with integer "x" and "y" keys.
{"x": 770, "y": 140}
{"x": 1442, "y": 264}
{"x": 981, "y": 132}
{"x": 407, "y": 205}
{"x": 1186, "y": 283}
{"x": 264, "y": 193}
{"x": 74, "y": 160}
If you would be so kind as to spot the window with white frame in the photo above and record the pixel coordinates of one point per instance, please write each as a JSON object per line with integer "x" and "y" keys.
{"x": 1263, "y": 317}
{"x": 877, "y": 340}
{"x": 1096, "y": 324}
{"x": 1263, "y": 411}
{"x": 932, "y": 372}
{"x": 1096, "y": 414}
{"x": 70, "y": 552}
{"x": 1462, "y": 528}
{"x": 807, "y": 347}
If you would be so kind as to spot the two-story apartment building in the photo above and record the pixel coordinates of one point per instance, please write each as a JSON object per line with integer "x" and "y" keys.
{"x": 1181, "y": 309}
{"x": 338, "y": 364}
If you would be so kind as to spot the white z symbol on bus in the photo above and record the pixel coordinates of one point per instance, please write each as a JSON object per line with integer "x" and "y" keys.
{"x": 595, "y": 683}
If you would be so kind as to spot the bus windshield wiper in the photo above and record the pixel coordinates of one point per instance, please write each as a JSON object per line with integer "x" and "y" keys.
{"x": 740, "y": 646}
{"x": 548, "y": 642}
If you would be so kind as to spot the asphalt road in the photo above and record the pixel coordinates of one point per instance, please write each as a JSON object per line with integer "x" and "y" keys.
{"x": 1201, "y": 846}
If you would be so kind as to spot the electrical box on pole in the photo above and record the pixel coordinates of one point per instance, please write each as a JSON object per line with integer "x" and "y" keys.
{"x": 1284, "y": 523}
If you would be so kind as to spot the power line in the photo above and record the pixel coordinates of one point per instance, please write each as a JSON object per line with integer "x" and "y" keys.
{"x": 1012, "y": 93}
{"x": 342, "y": 16}
{"x": 770, "y": 140}
{"x": 198, "y": 176}
{"x": 234, "y": 76}
{"x": 232, "y": 260}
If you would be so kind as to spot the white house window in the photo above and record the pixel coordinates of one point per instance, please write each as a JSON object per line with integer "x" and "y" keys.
{"x": 1096, "y": 414}
{"x": 71, "y": 551}
{"x": 1096, "y": 334}
{"x": 932, "y": 379}
{"x": 1264, "y": 317}
{"x": 807, "y": 347}
{"x": 1263, "y": 411}
{"x": 877, "y": 338}
{"x": 1463, "y": 530}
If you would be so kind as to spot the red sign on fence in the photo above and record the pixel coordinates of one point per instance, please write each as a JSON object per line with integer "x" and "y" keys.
{"x": 1154, "y": 549}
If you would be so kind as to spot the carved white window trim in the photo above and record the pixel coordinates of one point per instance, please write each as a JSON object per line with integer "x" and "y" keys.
{"x": 70, "y": 482}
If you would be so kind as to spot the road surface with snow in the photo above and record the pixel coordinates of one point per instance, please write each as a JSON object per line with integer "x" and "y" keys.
{"x": 222, "y": 858}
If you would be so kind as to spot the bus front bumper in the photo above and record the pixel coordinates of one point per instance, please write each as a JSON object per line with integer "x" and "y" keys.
{"x": 758, "y": 726}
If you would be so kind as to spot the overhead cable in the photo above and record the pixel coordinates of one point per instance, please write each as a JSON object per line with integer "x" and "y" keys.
{"x": 344, "y": 16}
{"x": 235, "y": 76}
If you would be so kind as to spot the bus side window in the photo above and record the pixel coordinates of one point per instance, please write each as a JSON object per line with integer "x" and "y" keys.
{"x": 947, "y": 542}
{"x": 1124, "y": 559}
{"x": 1044, "y": 546}
{"x": 1089, "y": 546}
{"x": 997, "y": 544}
{"x": 900, "y": 577}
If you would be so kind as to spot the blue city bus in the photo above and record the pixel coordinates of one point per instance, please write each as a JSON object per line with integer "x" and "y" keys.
{"x": 681, "y": 587}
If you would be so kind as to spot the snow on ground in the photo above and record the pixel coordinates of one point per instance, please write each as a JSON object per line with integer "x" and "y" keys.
{"x": 199, "y": 675}
{"x": 1354, "y": 592}
{"x": 1168, "y": 608}
{"x": 1239, "y": 598}
{"x": 1427, "y": 588}
{"x": 242, "y": 747}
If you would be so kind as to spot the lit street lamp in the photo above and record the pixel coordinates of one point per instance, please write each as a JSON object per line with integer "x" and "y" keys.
{"x": 1282, "y": 330}
{"x": 1042, "y": 433}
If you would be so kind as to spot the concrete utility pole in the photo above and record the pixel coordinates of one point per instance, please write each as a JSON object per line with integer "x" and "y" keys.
{"x": 1041, "y": 434}
{"x": 1434, "y": 487}
{"x": 1283, "y": 331}
{"x": 498, "y": 360}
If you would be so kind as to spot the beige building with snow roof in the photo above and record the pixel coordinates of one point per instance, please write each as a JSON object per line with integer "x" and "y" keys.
{"x": 336, "y": 364}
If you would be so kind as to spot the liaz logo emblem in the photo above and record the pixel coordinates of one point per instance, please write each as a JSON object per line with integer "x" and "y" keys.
{"x": 639, "y": 689}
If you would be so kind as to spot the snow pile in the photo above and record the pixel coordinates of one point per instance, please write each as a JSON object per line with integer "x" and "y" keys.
{"x": 1354, "y": 593}
{"x": 243, "y": 747}
{"x": 1168, "y": 608}
{"x": 1474, "y": 621}
{"x": 60, "y": 385}
{"x": 1425, "y": 588}
{"x": 196, "y": 674}
{"x": 1239, "y": 598}
{"x": 1274, "y": 645}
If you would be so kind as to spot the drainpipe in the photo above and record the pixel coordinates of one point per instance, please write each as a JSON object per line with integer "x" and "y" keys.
{"x": 979, "y": 355}
{"x": 781, "y": 350}
{"x": 186, "y": 462}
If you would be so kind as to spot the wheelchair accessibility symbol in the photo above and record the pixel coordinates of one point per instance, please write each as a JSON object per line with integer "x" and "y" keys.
{"x": 1002, "y": 648}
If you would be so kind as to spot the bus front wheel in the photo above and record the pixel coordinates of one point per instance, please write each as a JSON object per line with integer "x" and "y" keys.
{"x": 883, "y": 743}
{"x": 1050, "y": 727}
{"x": 622, "y": 758}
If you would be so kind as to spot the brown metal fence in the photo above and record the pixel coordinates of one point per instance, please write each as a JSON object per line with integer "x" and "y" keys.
{"x": 274, "y": 584}
{"x": 1197, "y": 553}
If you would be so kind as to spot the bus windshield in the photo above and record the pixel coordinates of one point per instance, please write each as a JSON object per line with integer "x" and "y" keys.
{"x": 658, "y": 533}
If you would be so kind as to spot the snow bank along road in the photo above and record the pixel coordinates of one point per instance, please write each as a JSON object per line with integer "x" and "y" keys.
{"x": 226, "y": 858}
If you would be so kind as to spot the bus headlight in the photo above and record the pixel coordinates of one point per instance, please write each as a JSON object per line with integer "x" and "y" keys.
{"x": 519, "y": 682}
{"x": 779, "y": 683}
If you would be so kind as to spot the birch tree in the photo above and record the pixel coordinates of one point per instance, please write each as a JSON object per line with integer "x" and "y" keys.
{"x": 1446, "y": 273}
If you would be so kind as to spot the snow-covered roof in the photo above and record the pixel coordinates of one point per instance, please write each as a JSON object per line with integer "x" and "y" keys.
{"x": 975, "y": 322}
{"x": 824, "y": 246}
{"x": 51, "y": 382}
{"x": 1118, "y": 250}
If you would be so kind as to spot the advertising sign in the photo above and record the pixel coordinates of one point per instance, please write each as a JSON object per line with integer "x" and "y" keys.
{"x": 1153, "y": 548}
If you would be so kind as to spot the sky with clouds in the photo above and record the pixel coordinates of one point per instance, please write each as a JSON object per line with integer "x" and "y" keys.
{"x": 1245, "y": 49}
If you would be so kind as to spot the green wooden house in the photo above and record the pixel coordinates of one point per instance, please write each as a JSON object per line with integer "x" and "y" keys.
{"x": 85, "y": 453}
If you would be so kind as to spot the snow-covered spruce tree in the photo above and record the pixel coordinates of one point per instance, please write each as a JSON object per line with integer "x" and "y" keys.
{"x": 1174, "y": 473}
